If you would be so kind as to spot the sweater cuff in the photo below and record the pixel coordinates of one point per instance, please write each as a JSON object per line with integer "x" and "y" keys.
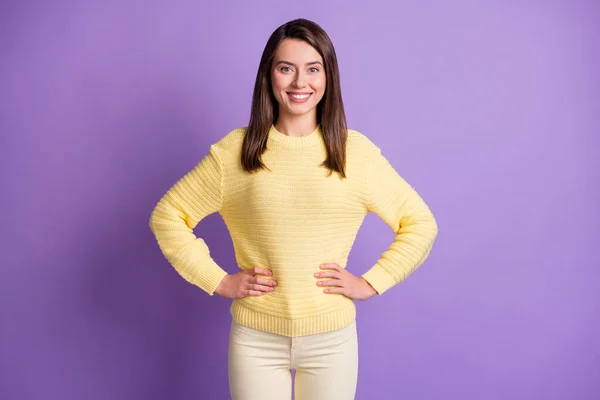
{"x": 211, "y": 276}
{"x": 379, "y": 278}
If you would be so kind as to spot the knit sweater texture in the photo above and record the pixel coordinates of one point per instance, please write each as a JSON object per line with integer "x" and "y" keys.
{"x": 290, "y": 219}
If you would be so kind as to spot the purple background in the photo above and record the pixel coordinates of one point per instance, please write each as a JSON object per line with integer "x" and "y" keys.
{"x": 489, "y": 109}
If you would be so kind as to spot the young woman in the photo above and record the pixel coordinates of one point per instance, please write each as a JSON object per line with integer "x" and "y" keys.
{"x": 293, "y": 189}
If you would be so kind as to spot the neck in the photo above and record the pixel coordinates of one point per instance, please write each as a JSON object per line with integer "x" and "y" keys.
{"x": 297, "y": 125}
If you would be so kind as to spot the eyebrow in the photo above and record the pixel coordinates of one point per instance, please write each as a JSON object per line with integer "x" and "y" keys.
{"x": 292, "y": 64}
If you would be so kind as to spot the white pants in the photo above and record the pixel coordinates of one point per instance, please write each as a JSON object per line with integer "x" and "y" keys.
{"x": 260, "y": 365}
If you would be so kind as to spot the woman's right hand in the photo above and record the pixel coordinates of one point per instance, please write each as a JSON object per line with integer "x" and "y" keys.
{"x": 246, "y": 283}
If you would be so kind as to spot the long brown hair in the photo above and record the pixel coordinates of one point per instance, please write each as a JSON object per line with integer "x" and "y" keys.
{"x": 330, "y": 110}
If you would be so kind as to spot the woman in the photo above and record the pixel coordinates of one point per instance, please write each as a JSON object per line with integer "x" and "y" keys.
{"x": 293, "y": 189}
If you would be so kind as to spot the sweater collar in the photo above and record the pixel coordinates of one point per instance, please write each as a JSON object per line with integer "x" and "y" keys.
{"x": 296, "y": 141}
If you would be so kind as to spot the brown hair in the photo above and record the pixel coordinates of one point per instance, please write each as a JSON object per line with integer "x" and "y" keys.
{"x": 330, "y": 110}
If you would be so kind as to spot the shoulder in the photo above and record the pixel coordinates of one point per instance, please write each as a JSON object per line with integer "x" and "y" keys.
{"x": 231, "y": 140}
{"x": 359, "y": 143}
{"x": 229, "y": 147}
{"x": 360, "y": 152}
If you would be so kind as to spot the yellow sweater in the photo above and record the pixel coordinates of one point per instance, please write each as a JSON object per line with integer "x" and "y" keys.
{"x": 290, "y": 220}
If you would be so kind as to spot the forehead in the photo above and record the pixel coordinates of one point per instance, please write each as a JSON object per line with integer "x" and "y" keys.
{"x": 296, "y": 51}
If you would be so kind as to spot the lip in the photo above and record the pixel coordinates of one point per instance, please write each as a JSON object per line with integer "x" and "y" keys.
{"x": 293, "y": 100}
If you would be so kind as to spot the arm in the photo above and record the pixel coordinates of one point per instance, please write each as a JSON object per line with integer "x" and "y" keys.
{"x": 196, "y": 195}
{"x": 403, "y": 210}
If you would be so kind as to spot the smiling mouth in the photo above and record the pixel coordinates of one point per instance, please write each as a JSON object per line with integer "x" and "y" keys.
{"x": 299, "y": 97}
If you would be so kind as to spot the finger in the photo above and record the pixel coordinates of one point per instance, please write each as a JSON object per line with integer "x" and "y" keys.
{"x": 264, "y": 281}
{"x": 253, "y": 293}
{"x": 328, "y": 274}
{"x": 333, "y": 283}
{"x": 335, "y": 290}
{"x": 262, "y": 288}
{"x": 333, "y": 266}
{"x": 261, "y": 271}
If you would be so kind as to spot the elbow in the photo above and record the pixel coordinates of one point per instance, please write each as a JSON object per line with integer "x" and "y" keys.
{"x": 151, "y": 222}
{"x": 434, "y": 225}
{"x": 154, "y": 218}
{"x": 428, "y": 227}
{"x": 432, "y": 228}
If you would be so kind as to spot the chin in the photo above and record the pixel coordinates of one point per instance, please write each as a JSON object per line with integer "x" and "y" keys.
{"x": 294, "y": 110}
{"x": 299, "y": 112}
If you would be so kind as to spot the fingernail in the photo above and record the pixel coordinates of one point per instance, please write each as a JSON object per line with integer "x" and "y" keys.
{"x": 317, "y": 274}
{"x": 319, "y": 283}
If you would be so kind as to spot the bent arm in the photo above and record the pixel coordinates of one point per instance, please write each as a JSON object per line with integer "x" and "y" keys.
{"x": 405, "y": 212}
{"x": 197, "y": 194}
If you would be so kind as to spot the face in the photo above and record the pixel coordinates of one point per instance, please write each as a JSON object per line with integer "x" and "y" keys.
{"x": 297, "y": 77}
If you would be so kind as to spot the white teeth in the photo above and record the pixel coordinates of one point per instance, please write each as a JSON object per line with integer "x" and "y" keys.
{"x": 300, "y": 96}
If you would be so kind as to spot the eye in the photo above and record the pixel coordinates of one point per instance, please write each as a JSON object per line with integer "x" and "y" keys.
{"x": 285, "y": 69}
{"x": 314, "y": 69}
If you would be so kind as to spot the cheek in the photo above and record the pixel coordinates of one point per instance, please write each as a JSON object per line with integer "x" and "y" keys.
{"x": 279, "y": 82}
{"x": 275, "y": 82}
{"x": 319, "y": 84}
{"x": 276, "y": 85}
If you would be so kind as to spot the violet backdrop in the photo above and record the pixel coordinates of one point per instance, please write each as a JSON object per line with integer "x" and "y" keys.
{"x": 489, "y": 109}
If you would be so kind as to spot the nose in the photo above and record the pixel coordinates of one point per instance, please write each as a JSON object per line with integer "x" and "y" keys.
{"x": 300, "y": 81}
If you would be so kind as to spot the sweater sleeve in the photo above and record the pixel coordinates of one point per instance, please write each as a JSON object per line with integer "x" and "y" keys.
{"x": 402, "y": 209}
{"x": 196, "y": 195}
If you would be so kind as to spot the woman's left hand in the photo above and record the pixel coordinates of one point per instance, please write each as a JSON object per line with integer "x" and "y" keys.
{"x": 343, "y": 282}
